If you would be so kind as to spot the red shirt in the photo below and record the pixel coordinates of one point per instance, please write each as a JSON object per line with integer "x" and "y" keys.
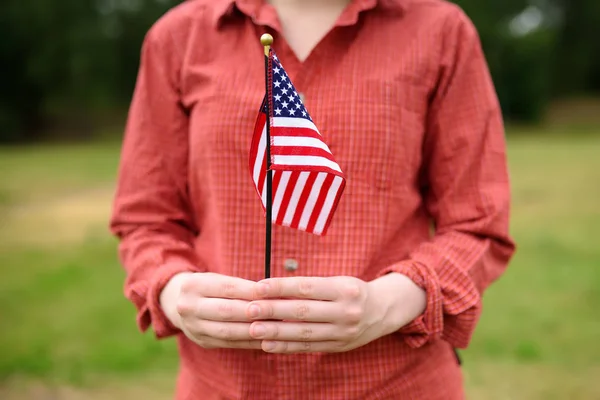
{"x": 402, "y": 94}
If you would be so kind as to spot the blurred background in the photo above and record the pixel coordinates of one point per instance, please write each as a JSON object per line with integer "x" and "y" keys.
{"x": 66, "y": 332}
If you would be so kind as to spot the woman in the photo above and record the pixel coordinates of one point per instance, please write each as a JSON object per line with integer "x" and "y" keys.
{"x": 373, "y": 310}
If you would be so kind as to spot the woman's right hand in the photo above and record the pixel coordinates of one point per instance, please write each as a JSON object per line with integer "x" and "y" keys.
{"x": 210, "y": 309}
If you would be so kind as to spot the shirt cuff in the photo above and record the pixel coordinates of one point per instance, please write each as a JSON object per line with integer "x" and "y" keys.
{"x": 429, "y": 325}
{"x": 146, "y": 296}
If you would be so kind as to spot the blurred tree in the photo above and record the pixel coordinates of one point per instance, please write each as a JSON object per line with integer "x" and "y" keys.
{"x": 518, "y": 39}
{"x": 578, "y": 47}
{"x": 69, "y": 57}
{"x": 72, "y": 57}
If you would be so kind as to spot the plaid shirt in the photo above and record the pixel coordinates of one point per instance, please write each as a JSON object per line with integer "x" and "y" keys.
{"x": 402, "y": 94}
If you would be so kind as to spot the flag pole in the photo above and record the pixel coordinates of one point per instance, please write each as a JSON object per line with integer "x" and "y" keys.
{"x": 267, "y": 40}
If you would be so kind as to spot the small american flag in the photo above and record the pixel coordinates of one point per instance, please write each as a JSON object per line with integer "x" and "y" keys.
{"x": 307, "y": 181}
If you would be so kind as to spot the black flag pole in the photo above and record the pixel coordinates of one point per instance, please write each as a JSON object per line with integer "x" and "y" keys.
{"x": 267, "y": 40}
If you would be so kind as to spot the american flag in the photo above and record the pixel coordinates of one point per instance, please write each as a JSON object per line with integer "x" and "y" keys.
{"x": 307, "y": 181}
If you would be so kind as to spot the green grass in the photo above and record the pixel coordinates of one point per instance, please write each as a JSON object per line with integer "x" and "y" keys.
{"x": 64, "y": 320}
{"x": 28, "y": 172}
{"x": 64, "y": 317}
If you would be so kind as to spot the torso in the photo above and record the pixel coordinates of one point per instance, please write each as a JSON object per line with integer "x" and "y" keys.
{"x": 370, "y": 101}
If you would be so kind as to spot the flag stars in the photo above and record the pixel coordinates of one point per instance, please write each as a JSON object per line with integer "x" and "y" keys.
{"x": 287, "y": 102}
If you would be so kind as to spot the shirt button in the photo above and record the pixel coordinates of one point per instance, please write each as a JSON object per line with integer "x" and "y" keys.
{"x": 290, "y": 265}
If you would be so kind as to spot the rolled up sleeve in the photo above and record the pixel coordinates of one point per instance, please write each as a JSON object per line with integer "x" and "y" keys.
{"x": 466, "y": 193}
{"x": 152, "y": 215}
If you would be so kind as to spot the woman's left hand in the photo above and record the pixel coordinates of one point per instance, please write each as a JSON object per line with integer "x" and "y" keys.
{"x": 336, "y": 314}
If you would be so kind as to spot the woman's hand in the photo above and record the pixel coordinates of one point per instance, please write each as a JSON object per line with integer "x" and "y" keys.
{"x": 336, "y": 314}
{"x": 210, "y": 309}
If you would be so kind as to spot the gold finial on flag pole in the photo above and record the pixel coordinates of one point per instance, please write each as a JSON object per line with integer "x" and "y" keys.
{"x": 266, "y": 40}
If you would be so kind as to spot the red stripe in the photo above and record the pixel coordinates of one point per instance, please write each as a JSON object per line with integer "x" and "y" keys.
{"x": 287, "y": 196}
{"x": 263, "y": 174}
{"x": 301, "y": 151}
{"x": 338, "y": 196}
{"x": 276, "y": 180}
{"x": 295, "y": 132}
{"x": 310, "y": 182}
{"x": 261, "y": 120}
{"x": 320, "y": 202}
{"x": 306, "y": 168}
{"x": 258, "y": 130}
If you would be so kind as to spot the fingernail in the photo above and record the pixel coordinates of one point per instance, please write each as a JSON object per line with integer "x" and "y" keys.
{"x": 259, "y": 331}
{"x": 269, "y": 346}
{"x": 254, "y": 311}
{"x": 263, "y": 289}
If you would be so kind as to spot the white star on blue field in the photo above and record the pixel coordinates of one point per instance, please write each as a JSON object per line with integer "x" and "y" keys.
{"x": 286, "y": 100}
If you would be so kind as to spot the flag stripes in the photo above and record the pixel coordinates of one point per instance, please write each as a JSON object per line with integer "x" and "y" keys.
{"x": 307, "y": 182}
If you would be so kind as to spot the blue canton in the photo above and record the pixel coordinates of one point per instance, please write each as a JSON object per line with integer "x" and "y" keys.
{"x": 286, "y": 100}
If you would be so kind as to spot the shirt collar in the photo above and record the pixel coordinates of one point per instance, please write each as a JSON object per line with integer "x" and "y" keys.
{"x": 225, "y": 9}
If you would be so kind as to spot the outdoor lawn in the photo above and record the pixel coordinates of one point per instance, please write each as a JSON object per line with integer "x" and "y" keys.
{"x": 66, "y": 331}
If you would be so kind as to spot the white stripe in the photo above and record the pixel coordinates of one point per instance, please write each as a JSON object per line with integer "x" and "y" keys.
{"x": 293, "y": 204}
{"x": 284, "y": 122}
{"x": 280, "y": 191}
{"x": 304, "y": 161}
{"x": 263, "y": 196}
{"x": 260, "y": 156}
{"x": 300, "y": 141}
{"x": 329, "y": 201}
{"x": 312, "y": 200}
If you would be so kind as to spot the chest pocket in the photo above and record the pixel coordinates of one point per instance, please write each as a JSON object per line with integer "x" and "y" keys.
{"x": 376, "y": 132}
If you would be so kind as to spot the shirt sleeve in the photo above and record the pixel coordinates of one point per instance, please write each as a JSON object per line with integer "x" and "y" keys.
{"x": 152, "y": 215}
{"x": 466, "y": 192}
